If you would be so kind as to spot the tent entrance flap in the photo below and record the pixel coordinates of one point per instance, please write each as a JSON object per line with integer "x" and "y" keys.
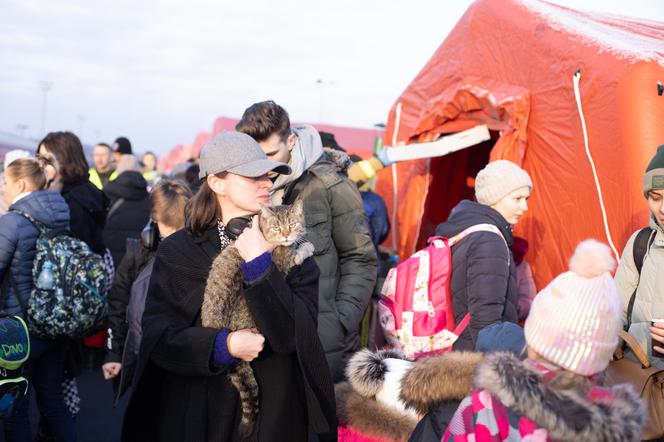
{"x": 443, "y": 146}
{"x": 452, "y": 179}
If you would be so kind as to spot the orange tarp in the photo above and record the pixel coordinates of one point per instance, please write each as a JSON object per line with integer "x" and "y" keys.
{"x": 355, "y": 140}
{"x": 509, "y": 64}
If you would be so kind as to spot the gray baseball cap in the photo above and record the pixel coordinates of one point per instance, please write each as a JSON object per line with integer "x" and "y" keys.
{"x": 237, "y": 153}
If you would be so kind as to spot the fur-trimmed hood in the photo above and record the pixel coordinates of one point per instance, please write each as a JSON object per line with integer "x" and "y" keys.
{"x": 339, "y": 158}
{"x": 566, "y": 415}
{"x": 361, "y": 402}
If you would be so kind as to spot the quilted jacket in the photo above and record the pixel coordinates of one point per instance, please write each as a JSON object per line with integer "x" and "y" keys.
{"x": 18, "y": 238}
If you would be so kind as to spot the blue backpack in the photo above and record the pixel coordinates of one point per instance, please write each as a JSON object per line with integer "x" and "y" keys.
{"x": 70, "y": 286}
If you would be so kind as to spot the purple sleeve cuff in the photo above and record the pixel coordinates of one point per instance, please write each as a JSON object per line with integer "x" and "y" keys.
{"x": 255, "y": 268}
{"x": 221, "y": 356}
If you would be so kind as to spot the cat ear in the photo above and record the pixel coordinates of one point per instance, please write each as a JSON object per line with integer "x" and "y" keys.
{"x": 266, "y": 210}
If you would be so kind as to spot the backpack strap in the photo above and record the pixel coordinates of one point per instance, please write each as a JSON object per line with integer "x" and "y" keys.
{"x": 38, "y": 224}
{"x": 114, "y": 208}
{"x": 481, "y": 228}
{"x": 43, "y": 228}
{"x": 642, "y": 243}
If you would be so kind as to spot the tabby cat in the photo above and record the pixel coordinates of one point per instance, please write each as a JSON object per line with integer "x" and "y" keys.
{"x": 224, "y": 304}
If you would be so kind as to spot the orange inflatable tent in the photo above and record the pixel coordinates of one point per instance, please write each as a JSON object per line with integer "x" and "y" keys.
{"x": 510, "y": 65}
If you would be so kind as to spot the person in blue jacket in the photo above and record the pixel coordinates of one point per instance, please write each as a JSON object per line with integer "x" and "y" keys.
{"x": 24, "y": 180}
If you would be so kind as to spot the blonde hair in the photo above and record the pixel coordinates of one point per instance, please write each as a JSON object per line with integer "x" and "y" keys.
{"x": 30, "y": 170}
{"x": 168, "y": 200}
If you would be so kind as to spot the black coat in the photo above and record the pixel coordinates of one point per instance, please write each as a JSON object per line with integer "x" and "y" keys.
{"x": 126, "y": 218}
{"x": 87, "y": 208}
{"x": 179, "y": 395}
{"x": 483, "y": 283}
{"x": 134, "y": 261}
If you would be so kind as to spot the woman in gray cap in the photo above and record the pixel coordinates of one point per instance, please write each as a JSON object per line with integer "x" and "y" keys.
{"x": 182, "y": 391}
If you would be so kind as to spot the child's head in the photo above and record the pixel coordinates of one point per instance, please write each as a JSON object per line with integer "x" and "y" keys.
{"x": 575, "y": 321}
{"x": 23, "y": 175}
{"x": 168, "y": 200}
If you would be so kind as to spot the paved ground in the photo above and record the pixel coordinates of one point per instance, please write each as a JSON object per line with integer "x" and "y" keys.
{"x": 98, "y": 421}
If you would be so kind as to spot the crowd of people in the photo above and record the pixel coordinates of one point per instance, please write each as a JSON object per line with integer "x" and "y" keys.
{"x": 527, "y": 367}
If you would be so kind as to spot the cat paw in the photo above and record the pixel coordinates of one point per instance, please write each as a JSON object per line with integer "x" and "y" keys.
{"x": 303, "y": 252}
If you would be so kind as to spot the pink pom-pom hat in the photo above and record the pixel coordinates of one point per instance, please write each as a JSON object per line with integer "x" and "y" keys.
{"x": 574, "y": 322}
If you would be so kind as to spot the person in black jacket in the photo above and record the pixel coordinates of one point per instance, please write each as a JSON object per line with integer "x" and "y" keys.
{"x": 129, "y": 210}
{"x": 68, "y": 174}
{"x": 483, "y": 281}
{"x": 181, "y": 389}
{"x": 167, "y": 202}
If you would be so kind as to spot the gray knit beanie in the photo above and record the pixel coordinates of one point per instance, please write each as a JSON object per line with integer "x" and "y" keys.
{"x": 654, "y": 177}
{"x": 498, "y": 179}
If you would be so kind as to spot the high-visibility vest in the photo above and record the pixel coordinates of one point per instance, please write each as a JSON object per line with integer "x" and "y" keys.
{"x": 95, "y": 179}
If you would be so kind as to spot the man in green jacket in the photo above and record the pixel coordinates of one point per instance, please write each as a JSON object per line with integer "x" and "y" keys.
{"x": 103, "y": 172}
{"x": 335, "y": 221}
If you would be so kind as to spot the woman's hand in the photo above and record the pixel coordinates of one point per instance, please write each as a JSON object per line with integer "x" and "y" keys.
{"x": 657, "y": 334}
{"x": 111, "y": 369}
{"x": 245, "y": 344}
{"x": 251, "y": 243}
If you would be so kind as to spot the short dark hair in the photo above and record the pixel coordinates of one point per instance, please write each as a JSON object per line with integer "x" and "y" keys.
{"x": 68, "y": 151}
{"x": 104, "y": 145}
{"x": 261, "y": 120}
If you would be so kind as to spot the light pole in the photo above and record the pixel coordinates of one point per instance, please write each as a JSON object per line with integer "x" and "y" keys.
{"x": 81, "y": 123}
{"x": 45, "y": 86}
{"x": 321, "y": 84}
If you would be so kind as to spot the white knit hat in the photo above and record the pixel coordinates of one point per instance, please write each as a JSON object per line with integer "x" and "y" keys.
{"x": 498, "y": 179}
{"x": 13, "y": 155}
{"x": 574, "y": 322}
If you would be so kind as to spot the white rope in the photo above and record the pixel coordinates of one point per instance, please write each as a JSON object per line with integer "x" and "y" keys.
{"x": 577, "y": 96}
{"x": 395, "y": 197}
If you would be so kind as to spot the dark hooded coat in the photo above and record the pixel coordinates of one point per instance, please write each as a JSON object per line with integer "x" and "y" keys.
{"x": 483, "y": 279}
{"x": 129, "y": 213}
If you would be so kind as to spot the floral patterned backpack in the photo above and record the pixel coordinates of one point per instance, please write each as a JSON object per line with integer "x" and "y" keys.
{"x": 416, "y": 303}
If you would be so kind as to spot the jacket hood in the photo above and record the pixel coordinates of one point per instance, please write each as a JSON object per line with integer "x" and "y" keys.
{"x": 428, "y": 382}
{"x": 129, "y": 185}
{"x": 435, "y": 379}
{"x": 307, "y": 150}
{"x": 469, "y": 213}
{"x": 659, "y": 238}
{"x": 47, "y": 207}
{"x": 87, "y": 195}
{"x": 566, "y": 415}
{"x": 371, "y": 417}
{"x": 339, "y": 158}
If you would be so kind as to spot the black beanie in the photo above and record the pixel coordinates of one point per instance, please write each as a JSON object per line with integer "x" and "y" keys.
{"x": 122, "y": 145}
{"x": 654, "y": 177}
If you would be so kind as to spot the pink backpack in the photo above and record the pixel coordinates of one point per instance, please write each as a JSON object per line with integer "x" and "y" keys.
{"x": 416, "y": 303}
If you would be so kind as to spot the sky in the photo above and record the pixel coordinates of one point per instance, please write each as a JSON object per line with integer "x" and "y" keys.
{"x": 160, "y": 71}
